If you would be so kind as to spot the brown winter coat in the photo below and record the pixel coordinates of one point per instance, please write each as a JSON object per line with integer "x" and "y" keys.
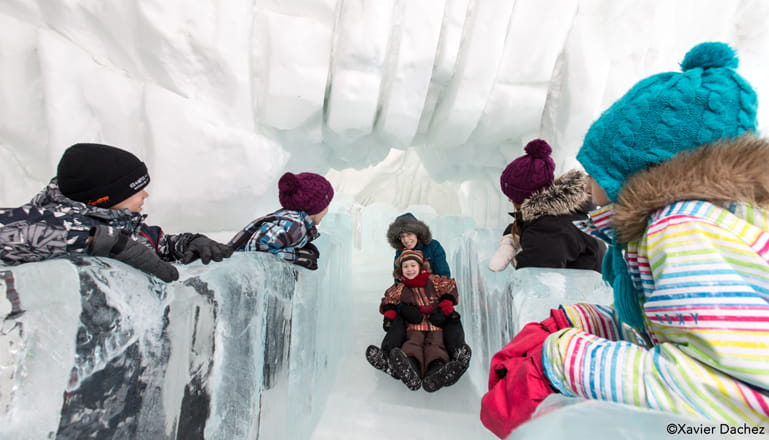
{"x": 424, "y": 341}
{"x": 430, "y": 295}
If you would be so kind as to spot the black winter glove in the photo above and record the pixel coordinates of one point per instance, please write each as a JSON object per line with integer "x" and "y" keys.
{"x": 206, "y": 249}
{"x": 437, "y": 318}
{"x": 410, "y": 313}
{"x": 307, "y": 256}
{"x": 107, "y": 241}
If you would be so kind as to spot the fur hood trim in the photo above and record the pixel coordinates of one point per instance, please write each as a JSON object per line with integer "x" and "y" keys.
{"x": 725, "y": 171}
{"x": 408, "y": 223}
{"x": 565, "y": 196}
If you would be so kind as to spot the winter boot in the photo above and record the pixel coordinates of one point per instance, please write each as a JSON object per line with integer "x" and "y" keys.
{"x": 376, "y": 357}
{"x": 405, "y": 368}
{"x": 443, "y": 376}
{"x": 462, "y": 355}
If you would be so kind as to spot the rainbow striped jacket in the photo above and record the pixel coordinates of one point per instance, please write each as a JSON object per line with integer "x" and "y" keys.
{"x": 704, "y": 273}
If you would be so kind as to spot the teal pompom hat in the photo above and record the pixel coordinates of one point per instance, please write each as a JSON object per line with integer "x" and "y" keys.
{"x": 667, "y": 113}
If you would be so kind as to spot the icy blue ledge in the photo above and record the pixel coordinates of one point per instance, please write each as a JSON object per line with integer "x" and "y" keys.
{"x": 245, "y": 348}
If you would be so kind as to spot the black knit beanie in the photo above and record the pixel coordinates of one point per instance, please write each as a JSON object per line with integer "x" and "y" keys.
{"x": 100, "y": 175}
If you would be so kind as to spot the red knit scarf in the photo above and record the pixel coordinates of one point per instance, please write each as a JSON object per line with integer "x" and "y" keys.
{"x": 418, "y": 281}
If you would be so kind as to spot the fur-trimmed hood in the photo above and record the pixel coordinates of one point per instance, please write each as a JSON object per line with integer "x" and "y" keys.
{"x": 733, "y": 170}
{"x": 565, "y": 196}
{"x": 408, "y": 223}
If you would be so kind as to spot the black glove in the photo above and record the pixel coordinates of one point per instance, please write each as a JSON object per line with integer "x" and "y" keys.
{"x": 107, "y": 241}
{"x": 311, "y": 249}
{"x": 206, "y": 249}
{"x": 437, "y": 318}
{"x": 386, "y": 324}
{"x": 307, "y": 256}
{"x": 410, "y": 313}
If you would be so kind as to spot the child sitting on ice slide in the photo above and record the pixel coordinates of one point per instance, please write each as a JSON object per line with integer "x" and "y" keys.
{"x": 409, "y": 233}
{"x": 425, "y": 300}
{"x": 288, "y": 232}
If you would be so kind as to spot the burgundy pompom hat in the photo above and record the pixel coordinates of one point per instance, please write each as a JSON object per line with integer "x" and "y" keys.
{"x": 529, "y": 173}
{"x": 308, "y": 192}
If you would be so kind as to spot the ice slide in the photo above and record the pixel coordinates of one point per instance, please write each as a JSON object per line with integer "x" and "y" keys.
{"x": 252, "y": 348}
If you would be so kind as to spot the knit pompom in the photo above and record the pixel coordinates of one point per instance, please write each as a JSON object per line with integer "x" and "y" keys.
{"x": 288, "y": 183}
{"x": 710, "y": 55}
{"x": 538, "y": 148}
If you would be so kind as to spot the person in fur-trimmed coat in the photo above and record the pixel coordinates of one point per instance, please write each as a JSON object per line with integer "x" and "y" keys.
{"x": 543, "y": 233}
{"x": 408, "y": 232}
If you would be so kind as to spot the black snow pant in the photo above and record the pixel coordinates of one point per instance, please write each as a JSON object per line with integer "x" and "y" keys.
{"x": 453, "y": 334}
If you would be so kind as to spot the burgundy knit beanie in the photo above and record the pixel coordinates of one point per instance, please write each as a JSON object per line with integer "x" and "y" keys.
{"x": 307, "y": 192}
{"x": 529, "y": 173}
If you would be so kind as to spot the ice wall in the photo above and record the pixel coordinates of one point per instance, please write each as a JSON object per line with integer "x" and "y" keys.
{"x": 244, "y": 348}
{"x": 405, "y": 101}
{"x": 496, "y": 305}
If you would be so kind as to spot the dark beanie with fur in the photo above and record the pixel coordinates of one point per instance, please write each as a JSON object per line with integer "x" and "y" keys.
{"x": 100, "y": 175}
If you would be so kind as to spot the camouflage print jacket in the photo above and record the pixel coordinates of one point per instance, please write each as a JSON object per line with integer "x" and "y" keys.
{"x": 52, "y": 225}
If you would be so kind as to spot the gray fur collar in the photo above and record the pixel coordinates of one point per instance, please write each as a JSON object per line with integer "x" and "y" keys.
{"x": 408, "y": 223}
{"x": 565, "y": 196}
{"x": 733, "y": 170}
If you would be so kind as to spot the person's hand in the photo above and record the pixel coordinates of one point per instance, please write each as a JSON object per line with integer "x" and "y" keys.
{"x": 437, "y": 318}
{"x": 307, "y": 256}
{"x": 446, "y": 306}
{"x": 107, "y": 241}
{"x": 509, "y": 246}
{"x": 410, "y": 313}
{"x": 206, "y": 249}
{"x": 389, "y": 317}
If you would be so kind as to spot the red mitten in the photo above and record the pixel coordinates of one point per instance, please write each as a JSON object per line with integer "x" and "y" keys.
{"x": 559, "y": 316}
{"x": 426, "y": 309}
{"x": 446, "y": 307}
{"x": 517, "y": 381}
{"x": 390, "y": 314}
{"x": 532, "y": 335}
{"x": 513, "y": 400}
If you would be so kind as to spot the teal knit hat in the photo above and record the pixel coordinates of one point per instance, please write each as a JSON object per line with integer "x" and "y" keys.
{"x": 667, "y": 113}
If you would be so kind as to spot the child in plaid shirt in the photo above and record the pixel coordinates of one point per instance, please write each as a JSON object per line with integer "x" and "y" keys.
{"x": 288, "y": 232}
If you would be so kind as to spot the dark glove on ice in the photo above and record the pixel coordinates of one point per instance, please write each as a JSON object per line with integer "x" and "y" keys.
{"x": 107, "y": 241}
{"x": 206, "y": 249}
{"x": 307, "y": 256}
{"x": 311, "y": 249}
{"x": 410, "y": 313}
